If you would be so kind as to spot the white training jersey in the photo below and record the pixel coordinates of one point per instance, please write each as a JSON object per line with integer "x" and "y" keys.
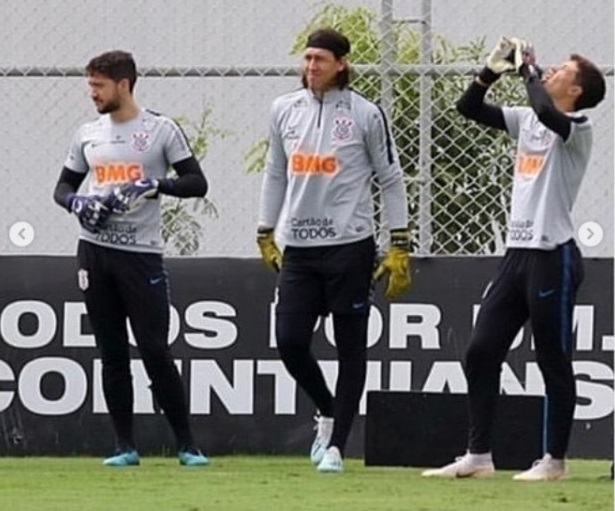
{"x": 317, "y": 189}
{"x": 547, "y": 176}
{"x": 114, "y": 153}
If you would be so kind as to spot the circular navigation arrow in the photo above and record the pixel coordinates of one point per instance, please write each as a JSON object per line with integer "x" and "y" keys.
{"x": 590, "y": 234}
{"x": 21, "y": 234}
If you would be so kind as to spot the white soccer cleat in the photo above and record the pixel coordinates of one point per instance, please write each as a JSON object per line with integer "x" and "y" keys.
{"x": 331, "y": 462}
{"x": 324, "y": 430}
{"x": 468, "y": 465}
{"x": 545, "y": 469}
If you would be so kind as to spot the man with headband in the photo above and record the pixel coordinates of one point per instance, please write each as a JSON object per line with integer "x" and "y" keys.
{"x": 325, "y": 144}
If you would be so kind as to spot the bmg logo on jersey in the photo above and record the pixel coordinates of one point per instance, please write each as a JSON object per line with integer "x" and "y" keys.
{"x": 302, "y": 163}
{"x": 529, "y": 165}
{"x": 118, "y": 172}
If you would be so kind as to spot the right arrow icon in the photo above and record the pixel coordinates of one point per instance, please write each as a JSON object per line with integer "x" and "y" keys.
{"x": 590, "y": 234}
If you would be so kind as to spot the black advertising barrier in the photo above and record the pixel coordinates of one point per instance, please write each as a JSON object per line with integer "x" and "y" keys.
{"x": 241, "y": 399}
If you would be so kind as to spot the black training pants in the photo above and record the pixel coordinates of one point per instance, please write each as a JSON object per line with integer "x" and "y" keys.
{"x": 120, "y": 285}
{"x": 541, "y": 286}
{"x": 313, "y": 282}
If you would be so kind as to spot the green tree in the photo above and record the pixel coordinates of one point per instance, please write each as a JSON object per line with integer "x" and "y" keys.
{"x": 182, "y": 230}
{"x": 470, "y": 171}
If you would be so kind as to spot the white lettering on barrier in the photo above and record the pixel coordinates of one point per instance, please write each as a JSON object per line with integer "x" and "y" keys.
{"x": 221, "y": 333}
{"x": 6, "y": 396}
{"x": 10, "y": 324}
{"x": 594, "y": 400}
{"x": 406, "y": 320}
{"x": 174, "y": 325}
{"x": 74, "y": 315}
{"x": 237, "y": 391}
{"x": 400, "y": 375}
{"x": 446, "y": 375}
{"x": 425, "y": 325}
{"x": 214, "y": 332}
{"x": 583, "y": 325}
{"x": 30, "y": 386}
{"x": 214, "y": 326}
{"x": 141, "y": 384}
{"x": 236, "y": 396}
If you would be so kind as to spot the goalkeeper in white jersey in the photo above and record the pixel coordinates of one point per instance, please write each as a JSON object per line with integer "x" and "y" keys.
{"x": 542, "y": 268}
{"x": 326, "y": 142}
{"x": 121, "y": 159}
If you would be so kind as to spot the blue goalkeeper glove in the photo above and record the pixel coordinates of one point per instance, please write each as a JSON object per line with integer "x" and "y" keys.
{"x": 131, "y": 196}
{"x": 90, "y": 210}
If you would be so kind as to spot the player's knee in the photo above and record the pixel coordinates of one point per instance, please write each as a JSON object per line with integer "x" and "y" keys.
{"x": 478, "y": 355}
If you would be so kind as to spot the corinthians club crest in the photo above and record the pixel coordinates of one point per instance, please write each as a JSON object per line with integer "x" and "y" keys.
{"x": 140, "y": 141}
{"x": 342, "y": 129}
{"x": 82, "y": 279}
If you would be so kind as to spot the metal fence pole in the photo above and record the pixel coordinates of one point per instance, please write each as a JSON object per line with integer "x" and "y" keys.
{"x": 387, "y": 57}
{"x": 425, "y": 122}
{"x": 387, "y": 63}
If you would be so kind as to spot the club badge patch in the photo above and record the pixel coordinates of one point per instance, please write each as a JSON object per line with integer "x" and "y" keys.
{"x": 82, "y": 278}
{"x": 140, "y": 141}
{"x": 342, "y": 129}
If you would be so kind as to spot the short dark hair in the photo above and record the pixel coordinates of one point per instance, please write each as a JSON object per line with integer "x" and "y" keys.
{"x": 117, "y": 65}
{"x": 337, "y": 43}
{"x": 591, "y": 80}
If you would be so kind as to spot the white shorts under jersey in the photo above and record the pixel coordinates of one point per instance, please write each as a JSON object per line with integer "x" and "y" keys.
{"x": 547, "y": 176}
{"x": 113, "y": 153}
{"x": 317, "y": 188}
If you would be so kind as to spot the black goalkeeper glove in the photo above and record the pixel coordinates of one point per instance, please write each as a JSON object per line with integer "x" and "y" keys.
{"x": 132, "y": 195}
{"x": 90, "y": 210}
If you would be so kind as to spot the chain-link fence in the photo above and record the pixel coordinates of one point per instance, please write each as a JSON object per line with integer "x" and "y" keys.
{"x": 216, "y": 67}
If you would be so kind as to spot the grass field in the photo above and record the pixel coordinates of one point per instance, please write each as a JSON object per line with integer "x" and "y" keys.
{"x": 280, "y": 483}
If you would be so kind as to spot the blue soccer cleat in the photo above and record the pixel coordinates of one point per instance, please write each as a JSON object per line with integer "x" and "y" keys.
{"x": 128, "y": 458}
{"x": 193, "y": 458}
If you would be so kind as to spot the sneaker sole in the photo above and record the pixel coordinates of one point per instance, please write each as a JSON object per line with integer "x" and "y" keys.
{"x": 479, "y": 474}
{"x": 330, "y": 470}
{"x": 195, "y": 463}
{"x": 120, "y": 465}
{"x": 519, "y": 477}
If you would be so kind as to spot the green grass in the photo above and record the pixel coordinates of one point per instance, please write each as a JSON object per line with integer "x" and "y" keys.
{"x": 280, "y": 483}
